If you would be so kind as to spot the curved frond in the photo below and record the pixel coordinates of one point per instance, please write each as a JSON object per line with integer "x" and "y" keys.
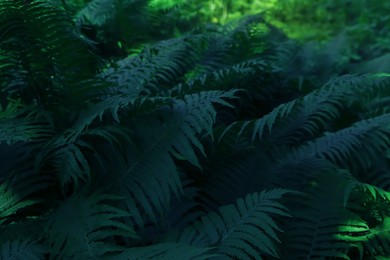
{"x": 16, "y": 194}
{"x": 83, "y": 225}
{"x": 309, "y": 113}
{"x": 152, "y": 174}
{"x": 23, "y": 130}
{"x": 157, "y": 64}
{"x": 245, "y": 230}
{"x": 356, "y": 144}
{"x": 236, "y": 76}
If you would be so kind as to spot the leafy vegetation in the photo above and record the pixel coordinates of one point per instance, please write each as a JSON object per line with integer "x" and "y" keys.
{"x": 135, "y": 129}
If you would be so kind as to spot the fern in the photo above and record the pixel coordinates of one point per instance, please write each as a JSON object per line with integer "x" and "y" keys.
{"x": 16, "y": 194}
{"x": 322, "y": 223}
{"x": 137, "y": 130}
{"x": 223, "y": 79}
{"x": 225, "y": 43}
{"x": 152, "y": 174}
{"x": 374, "y": 241}
{"x": 356, "y": 144}
{"x": 115, "y": 24}
{"x": 55, "y": 61}
{"x": 245, "y": 230}
{"x": 223, "y": 169}
{"x": 377, "y": 241}
{"x": 23, "y": 130}
{"x": 312, "y": 111}
{"x": 166, "y": 251}
{"x": 158, "y": 63}
{"x": 82, "y": 226}
{"x": 98, "y": 12}
{"x": 19, "y": 250}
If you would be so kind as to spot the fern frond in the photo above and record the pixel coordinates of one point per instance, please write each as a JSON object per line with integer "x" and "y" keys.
{"x": 152, "y": 174}
{"x": 226, "y": 44}
{"x": 166, "y": 251}
{"x": 236, "y": 76}
{"x": 97, "y": 12}
{"x": 10, "y": 202}
{"x": 113, "y": 104}
{"x": 312, "y": 111}
{"x": 184, "y": 209}
{"x": 377, "y": 242}
{"x": 54, "y": 60}
{"x": 66, "y": 153}
{"x": 23, "y": 130}
{"x": 20, "y": 250}
{"x": 321, "y": 222}
{"x": 220, "y": 183}
{"x": 373, "y": 100}
{"x": 156, "y": 65}
{"x": 83, "y": 225}
{"x": 71, "y": 164}
{"x": 373, "y": 204}
{"x": 358, "y": 143}
{"x": 245, "y": 230}
{"x": 115, "y": 25}
{"x": 16, "y": 194}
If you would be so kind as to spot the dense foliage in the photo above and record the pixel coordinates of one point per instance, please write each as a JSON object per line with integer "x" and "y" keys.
{"x": 135, "y": 129}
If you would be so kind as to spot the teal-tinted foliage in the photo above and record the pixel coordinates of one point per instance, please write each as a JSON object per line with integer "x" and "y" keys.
{"x": 134, "y": 129}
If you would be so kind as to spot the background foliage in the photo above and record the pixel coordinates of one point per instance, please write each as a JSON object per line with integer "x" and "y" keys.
{"x": 134, "y": 129}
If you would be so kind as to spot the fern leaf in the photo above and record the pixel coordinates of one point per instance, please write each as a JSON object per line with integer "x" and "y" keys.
{"x": 374, "y": 240}
{"x": 15, "y": 193}
{"x": 97, "y": 12}
{"x": 245, "y": 230}
{"x": 166, "y": 251}
{"x": 71, "y": 164}
{"x": 322, "y": 223}
{"x": 21, "y": 250}
{"x": 360, "y": 142}
{"x": 233, "y": 77}
{"x": 156, "y": 64}
{"x": 14, "y": 130}
{"x": 82, "y": 226}
{"x": 377, "y": 242}
{"x": 223, "y": 170}
{"x": 312, "y": 111}
{"x": 152, "y": 174}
